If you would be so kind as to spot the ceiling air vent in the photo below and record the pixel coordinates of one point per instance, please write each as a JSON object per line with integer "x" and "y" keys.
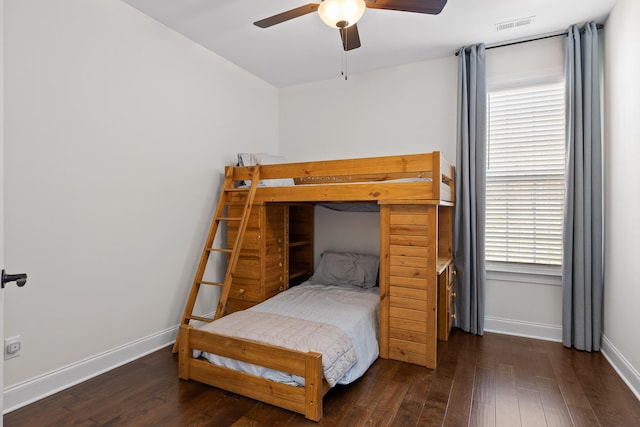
{"x": 515, "y": 23}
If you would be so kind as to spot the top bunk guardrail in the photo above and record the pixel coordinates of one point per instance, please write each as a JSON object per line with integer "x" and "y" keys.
{"x": 426, "y": 177}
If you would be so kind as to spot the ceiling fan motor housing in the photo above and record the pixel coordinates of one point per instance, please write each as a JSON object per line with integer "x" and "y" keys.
{"x": 341, "y": 13}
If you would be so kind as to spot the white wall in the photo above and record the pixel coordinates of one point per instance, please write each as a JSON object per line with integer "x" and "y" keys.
{"x": 117, "y": 132}
{"x": 622, "y": 199}
{"x": 402, "y": 110}
{"x": 362, "y": 228}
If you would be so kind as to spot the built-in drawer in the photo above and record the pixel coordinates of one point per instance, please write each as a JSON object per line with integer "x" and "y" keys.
{"x": 234, "y": 305}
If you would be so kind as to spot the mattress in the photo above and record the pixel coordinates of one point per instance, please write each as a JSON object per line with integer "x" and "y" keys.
{"x": 351, "y": 309}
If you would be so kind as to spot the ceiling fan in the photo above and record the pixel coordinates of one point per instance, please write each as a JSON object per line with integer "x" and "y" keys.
{"x": 344, "y": 14}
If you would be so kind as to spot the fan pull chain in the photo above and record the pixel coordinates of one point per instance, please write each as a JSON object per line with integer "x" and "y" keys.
{"x": 344, "y": 53}
{"x": 344, "y": 65}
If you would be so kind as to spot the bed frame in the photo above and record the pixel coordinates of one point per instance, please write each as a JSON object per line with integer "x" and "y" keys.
{"x": 372, "y": 179}
{"x": 385, "y": 180}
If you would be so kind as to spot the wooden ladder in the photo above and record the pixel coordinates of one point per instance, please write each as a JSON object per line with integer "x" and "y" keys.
{"x": 233, "y": 253}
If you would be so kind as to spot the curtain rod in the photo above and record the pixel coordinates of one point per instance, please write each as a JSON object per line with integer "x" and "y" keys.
{"x": 546, "y": 36}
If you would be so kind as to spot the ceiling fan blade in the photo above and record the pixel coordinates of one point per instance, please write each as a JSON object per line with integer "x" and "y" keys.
{"x": 350, "y": 37}
{"x": 432, "y": 7}
{"x": 285, "y": 16}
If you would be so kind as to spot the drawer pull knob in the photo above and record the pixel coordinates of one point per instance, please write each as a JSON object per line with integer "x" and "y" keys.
{"x": 241, "y": 291}
{"x": 453, "y": 294}
{"x": 453, "y": 316}
{"x": 281, "y": 288}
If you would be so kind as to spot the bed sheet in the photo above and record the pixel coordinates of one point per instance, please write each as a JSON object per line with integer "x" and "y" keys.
{"x": 350, "y": 308}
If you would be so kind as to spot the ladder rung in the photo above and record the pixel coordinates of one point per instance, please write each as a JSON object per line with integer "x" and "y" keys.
{"x": 237, "y": 189}
{"x": 227, "y": 218}
{"x": 226, "y": 251}
{"x": 230, "y": 250}
{"x": 204, "y": 282}
{"x": 200, "y": 318}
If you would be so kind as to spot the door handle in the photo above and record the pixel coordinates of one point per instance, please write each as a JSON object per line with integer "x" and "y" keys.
{"x": 20, "y": 279}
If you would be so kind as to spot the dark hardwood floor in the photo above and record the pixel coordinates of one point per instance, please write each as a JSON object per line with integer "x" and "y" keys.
{"x": 495, "y": 380}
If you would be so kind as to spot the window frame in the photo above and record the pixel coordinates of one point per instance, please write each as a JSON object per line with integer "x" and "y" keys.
{"x": 544, "y": 274}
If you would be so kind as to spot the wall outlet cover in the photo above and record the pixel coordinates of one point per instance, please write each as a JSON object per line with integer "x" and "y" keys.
{"x": 12, "y": 347}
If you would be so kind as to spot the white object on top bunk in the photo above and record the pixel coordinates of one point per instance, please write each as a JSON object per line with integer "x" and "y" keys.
{"x": 252, "y": 159}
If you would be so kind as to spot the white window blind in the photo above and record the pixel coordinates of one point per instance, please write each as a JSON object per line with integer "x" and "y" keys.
{"x": 525, "y": 175}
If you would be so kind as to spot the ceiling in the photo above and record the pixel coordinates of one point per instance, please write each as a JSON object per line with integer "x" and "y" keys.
{"x": 304, "y": 49}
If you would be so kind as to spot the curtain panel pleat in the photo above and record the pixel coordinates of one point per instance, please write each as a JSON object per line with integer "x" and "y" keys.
{"x": 469, "y": 213}
{"x": 583, "y": 265}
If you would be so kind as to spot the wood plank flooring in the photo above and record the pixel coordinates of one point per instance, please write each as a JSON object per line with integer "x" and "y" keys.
{"x": 495, "y": 380}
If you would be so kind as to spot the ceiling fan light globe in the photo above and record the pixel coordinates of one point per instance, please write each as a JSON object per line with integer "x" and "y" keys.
{"x": 334, "y": 12}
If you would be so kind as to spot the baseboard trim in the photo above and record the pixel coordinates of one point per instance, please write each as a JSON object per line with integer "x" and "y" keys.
{"x": 621, "y": 365}
{"x": 523, "y": 329}
{"x": 22, "y": 394}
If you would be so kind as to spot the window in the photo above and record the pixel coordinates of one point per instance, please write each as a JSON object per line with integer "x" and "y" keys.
{"x": 525, "y": 175}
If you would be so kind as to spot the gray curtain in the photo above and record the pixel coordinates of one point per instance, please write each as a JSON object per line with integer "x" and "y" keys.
{"x": 469, "y": 214}
{"x": 582, "y": 269}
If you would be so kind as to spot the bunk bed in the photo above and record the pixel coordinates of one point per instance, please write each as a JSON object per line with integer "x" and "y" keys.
{"x": 415, "y": 194}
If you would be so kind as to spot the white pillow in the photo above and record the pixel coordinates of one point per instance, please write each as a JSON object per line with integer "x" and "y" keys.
{"x": 346, "y": 268}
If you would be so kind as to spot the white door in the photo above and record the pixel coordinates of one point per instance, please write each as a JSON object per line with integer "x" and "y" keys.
{"x": 1, "y": 202}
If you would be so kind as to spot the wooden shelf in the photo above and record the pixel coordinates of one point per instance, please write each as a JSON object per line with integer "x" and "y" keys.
{"x": 296, "y": 274}
{"x": 299, "y": 243}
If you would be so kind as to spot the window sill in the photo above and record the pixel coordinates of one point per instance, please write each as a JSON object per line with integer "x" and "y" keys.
{"x": 526, "y": 273}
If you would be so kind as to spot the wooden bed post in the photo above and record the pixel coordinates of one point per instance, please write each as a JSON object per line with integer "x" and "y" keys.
{"x": 432, "y": 286}
{"x": 313, "y": 391}
{"x": 384, "y": 281}
{"x": 184, "y": 352}
{"x": 436, "y": 175}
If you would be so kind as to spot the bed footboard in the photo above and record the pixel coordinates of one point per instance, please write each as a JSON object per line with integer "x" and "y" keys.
{"x": 305, "y": 400}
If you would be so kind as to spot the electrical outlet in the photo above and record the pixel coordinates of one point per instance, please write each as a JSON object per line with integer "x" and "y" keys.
{"x": 12, "y": 347}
